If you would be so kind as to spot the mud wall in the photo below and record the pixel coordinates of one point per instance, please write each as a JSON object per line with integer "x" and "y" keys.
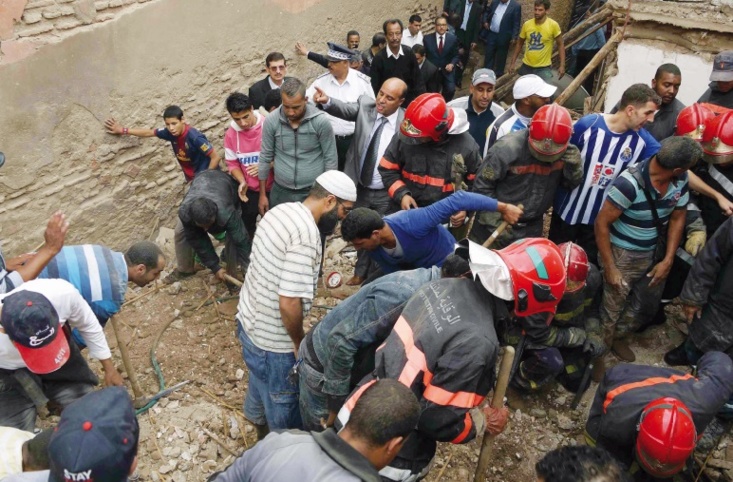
{"x": 186, "y": 52}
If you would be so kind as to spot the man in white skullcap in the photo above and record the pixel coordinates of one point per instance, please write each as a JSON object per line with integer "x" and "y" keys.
{"x": 278, "y": 291}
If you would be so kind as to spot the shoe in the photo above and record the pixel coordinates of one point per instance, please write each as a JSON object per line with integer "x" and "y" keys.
{"x": 711, "y": 435}
{"x": 177, "y": 276}
{"x": 355, "y": 281}
{"x": 677, "y": 356}
{"x": 620, "y": 348}
{"x": 599, "y": 369}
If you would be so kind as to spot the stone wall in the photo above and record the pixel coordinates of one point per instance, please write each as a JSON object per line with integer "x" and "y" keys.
{"x": 27, "y": 25}
{"x": 186, "y": 52}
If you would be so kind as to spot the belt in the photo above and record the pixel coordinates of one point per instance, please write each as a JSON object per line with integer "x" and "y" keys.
{"x": 310, "y": 355}
{"x": 372, "y": 188}
{"x": 349, "y": 136}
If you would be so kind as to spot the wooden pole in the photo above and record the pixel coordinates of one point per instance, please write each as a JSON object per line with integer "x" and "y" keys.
{"x": 126, "y": 360}
{"x": 233, "y": 280}
{"x": 585, "y": 34}
{"x": 497, "y": 401}
{"x": 595, "y": 62}
{"x": 500, "y": 229}
{"x": 579, "y": 29}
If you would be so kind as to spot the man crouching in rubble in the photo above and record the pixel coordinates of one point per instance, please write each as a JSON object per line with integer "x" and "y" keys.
{"x": 444, "y": 347}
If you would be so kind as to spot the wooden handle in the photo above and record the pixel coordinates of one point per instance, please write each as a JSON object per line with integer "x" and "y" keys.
{"x": 126, "y": 360}
{"x": 497, "y": 401}
{"x": 498, "y": 231}
{"x": 233, "y": 280}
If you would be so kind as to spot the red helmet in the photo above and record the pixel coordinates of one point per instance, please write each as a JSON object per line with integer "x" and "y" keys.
{"x": 717, "y": 139}
{"x": 427, "y": 116}
{"x": 576, "y": 266}
{"x": 538, "y": 275}
{"x": 550, "y": 130}
{"x": 691, "y": 121}
{"x": 666, "y": 437}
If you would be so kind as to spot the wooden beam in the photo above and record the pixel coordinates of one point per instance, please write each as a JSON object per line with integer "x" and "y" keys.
{"x": 595, "y": 62}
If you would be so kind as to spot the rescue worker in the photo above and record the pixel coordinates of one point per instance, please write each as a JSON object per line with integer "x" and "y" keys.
{"x": 416, "y": 167}
{"x": 649, "y": 417}
{"x": 339, "y": 350}
{"x": 707, "y": 301}
{"x": 717, "y": 170}
{"x": 561, "y": 346}
{"x": 527, "y": 166}
{"x": 444, "y": 346}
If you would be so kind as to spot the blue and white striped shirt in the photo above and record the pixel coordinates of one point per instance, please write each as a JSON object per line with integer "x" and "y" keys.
{"x": 99, "y": 274}
{"x": 606, "y": 155}
{"x": 635, "y": 229}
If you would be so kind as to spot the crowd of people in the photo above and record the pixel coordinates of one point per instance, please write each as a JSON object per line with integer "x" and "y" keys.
{"x": 638, "y": 202}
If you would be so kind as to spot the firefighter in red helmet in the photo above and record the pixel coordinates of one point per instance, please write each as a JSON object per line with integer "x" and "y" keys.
{"x": 527, "y": 166}
{"x": 444, "y": 346}
{"x": 559, "y": 345}
{"x": 417, "y": 166}
{"x": 650, "y": 418}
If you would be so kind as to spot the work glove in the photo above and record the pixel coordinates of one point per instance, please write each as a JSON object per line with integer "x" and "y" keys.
{"x": 695, "y": 242}
{"x": 594, "y": 345}
{"x": 573, "y": 167}
{"x": 576, "y": 336}
{"x": 496, "y": 419}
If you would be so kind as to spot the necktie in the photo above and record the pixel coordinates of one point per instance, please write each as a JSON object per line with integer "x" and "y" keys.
{"x": 440, "y": 45}
{"x": 370, "y": 160}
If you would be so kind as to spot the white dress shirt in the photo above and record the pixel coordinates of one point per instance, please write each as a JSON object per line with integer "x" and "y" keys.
{"x": 352, "y": 88}
{"x": 411, "y": 40}
{"x": 388, "y": 131}
{"x": 498, "y": 15}
{"x": 466, "y": 14}
{"x": 399, "y": 54}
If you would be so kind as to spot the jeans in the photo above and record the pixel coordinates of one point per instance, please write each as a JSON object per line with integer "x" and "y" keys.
{"x": 250, "y": 211}
{"x": 544, "y": 72}
{"x": 313, "y": 402}
{"x": 18, "y": 410}
{"x": 184, "y": 251}
{"x": 272, "y": 399}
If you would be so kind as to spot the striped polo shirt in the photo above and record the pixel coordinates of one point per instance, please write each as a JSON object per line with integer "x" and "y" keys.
{"x": 285, "y": 260}
{"x": 606, "y": 154}
{"x": 634, "y": 230}
{"x": 97, "y": 272}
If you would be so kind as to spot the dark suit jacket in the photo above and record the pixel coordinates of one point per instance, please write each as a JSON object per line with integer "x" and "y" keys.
{"x": 470, "y": 35}
{"x": 431, "y": 76}
{"x": 510, "y": 24}
{"x": 450, "y": 50}
{"x": 364, "y": 113}
{"x": 259, "y": 90}
{"x": 404, "y": 68}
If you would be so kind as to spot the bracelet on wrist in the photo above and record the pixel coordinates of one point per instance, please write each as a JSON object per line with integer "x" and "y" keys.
{"x": 125, "y": 131}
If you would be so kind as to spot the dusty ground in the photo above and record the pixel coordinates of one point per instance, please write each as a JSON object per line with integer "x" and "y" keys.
{"x": 200, "y": 345}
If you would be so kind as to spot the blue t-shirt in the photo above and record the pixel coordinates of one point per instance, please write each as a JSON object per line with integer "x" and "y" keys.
{"x": 192, "y": 149}
{"x": 605, "y": 155}
{"x": 634, "y": 229}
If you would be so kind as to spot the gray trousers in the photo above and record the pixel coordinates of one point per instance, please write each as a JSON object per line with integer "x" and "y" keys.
{"x": 184, "y": 251}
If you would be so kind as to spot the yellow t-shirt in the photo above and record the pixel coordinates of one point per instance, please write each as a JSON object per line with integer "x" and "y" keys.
{"x": 538, "y": 40}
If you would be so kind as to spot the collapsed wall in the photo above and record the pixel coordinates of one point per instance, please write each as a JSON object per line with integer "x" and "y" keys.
{"x": 686, "y": 33}
{"x": 57, "y": 94}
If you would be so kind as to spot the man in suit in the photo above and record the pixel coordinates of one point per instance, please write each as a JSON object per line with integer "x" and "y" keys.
{"x": 467, "y": 32}
{"x": 276, "y": 68}
{"x": 442, "y": 50}
{"x": 429, "y": 72}
{"x": 396, "y": 60}
{"x": 501, "y": 23}
{"x": 376, "y": 123}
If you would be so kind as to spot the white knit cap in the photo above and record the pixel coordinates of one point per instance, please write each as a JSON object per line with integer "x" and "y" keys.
{"x": 338, "y": 184}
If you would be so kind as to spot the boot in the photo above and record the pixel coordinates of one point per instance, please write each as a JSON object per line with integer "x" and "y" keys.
{"x": 262, "y": 430}
{"x": 711, "y": 436}
{"x": 599, "y": 369}
{"x": 677, "y": 356}
{"x": 620, "y": 348}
